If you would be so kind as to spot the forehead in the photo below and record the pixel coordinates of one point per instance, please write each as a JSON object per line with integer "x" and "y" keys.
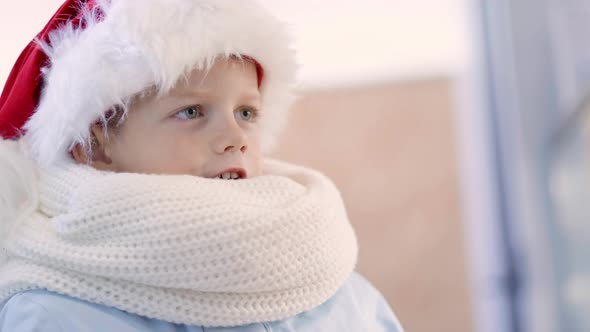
{"x": 223, "y": 74}
{"x": 226, "y": 77}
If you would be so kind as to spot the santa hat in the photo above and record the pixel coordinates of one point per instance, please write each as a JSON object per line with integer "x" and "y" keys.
{"x": 95, "y": 55}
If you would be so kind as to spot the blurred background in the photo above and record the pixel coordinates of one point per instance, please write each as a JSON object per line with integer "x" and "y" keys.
{"x": 457, "y": 131}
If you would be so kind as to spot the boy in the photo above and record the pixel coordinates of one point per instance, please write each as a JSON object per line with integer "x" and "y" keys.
{"x": 116, "y": 215}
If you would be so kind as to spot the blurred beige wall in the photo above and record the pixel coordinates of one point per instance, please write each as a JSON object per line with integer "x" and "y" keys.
{"x": 390, "y": 149}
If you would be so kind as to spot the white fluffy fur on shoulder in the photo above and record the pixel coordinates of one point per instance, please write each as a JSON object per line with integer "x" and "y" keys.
{"x": 18, "y": 192}
{"x": 140, "y": 44}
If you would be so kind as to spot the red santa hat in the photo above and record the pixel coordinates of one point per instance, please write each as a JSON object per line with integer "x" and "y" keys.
{"x": 97, "y": 54}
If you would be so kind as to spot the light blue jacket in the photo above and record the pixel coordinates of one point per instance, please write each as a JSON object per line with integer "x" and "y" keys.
{"x": 357, "y": 306}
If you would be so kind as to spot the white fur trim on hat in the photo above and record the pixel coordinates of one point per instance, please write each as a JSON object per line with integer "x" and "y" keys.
{"x": 141, "y": 44}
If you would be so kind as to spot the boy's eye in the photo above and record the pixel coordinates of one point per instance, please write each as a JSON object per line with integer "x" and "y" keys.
{"x": 191, "y": 112}
{"x": 248, "y": 113}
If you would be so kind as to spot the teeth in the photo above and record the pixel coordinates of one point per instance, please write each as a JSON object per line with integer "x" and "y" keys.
{"x": 229, "y": 175}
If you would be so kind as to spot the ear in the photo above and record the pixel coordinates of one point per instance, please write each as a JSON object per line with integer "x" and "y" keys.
{"x": 100, "y": 156}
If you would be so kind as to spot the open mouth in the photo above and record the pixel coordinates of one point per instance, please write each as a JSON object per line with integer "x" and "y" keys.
{"x": 232, "y": 174}
{"x": 229, "y": 176}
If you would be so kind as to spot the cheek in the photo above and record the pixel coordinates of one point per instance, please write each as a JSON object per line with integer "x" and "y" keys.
{"x": 255, "y": 156}
{"x": 150, "y": 151}
{"x": 176, "y": 152}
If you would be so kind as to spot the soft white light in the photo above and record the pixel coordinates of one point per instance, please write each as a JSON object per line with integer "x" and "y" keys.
{"x": 339, "y": 42}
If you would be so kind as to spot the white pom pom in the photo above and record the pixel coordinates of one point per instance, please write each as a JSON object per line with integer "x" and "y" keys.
{"x": 18, "y": 191}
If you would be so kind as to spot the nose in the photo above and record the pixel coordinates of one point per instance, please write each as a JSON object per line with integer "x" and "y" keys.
{"x": 230, "y": 137}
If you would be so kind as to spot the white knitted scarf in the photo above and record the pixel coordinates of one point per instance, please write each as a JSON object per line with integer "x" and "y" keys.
{"x": 183, "y": 249}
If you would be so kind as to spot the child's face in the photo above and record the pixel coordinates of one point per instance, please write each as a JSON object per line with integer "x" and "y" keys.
{"x": 202, "y": 127}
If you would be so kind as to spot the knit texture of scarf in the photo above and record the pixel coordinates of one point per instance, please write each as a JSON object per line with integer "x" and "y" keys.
{"x": 183, "y": 249}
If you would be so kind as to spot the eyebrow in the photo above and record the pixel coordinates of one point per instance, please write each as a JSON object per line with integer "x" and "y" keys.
{"x": 250, "y": 95}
